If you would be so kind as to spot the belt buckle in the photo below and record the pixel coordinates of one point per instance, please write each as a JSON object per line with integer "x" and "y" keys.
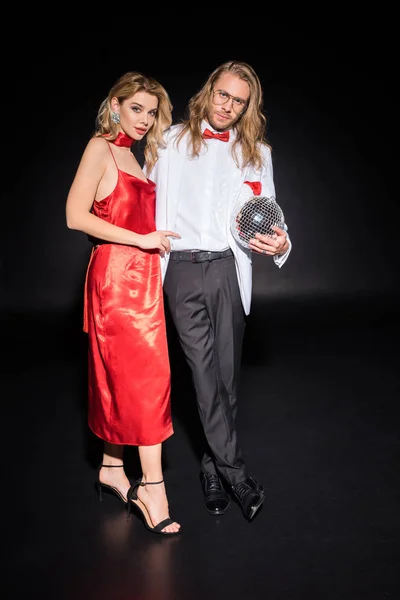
{"x": 192, "y": 256}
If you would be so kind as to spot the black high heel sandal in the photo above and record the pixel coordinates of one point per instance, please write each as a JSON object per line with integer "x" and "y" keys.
{"x": 100, "y": 485}
{"x": 133, "y": 499}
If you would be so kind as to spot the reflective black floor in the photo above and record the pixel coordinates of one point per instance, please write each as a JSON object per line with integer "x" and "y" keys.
{"x": 318, "y": 421}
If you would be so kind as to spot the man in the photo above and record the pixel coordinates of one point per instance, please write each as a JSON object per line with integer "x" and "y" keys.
{"x": 214, "y": 160}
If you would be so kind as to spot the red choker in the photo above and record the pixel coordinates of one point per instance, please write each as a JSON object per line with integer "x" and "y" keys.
{"x": 123, "y": 140}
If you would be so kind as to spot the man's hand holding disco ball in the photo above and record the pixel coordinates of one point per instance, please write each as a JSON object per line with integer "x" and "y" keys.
{"x": 259, "y": 225}
{"x": 270, "y": 245}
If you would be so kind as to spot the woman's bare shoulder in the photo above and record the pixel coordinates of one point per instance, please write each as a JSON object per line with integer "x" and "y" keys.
{"x": 96, "y": 149}
{"x": 97, "y": 144}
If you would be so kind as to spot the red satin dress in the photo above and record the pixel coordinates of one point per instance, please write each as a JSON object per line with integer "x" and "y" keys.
{"x": 129, "y": 372}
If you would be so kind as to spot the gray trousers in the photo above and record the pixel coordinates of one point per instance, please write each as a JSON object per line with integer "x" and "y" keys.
{"x": 206, "y": 309}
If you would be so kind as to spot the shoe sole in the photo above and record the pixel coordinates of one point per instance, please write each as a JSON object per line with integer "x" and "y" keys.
{"x": 256, "y": 508}
{"x": 216, "y": 513}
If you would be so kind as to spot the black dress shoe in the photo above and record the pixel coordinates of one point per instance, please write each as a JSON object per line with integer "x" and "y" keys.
{"x": 249, "y": 494}
{"x": 216, "y": 499}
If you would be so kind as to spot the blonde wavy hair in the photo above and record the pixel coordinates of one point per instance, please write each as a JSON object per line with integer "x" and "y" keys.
{"x": 127, "y": 85}
{"x": 252, "y": 123}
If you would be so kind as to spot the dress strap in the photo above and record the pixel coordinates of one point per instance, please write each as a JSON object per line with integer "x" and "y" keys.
{"x": 112, "y": 154}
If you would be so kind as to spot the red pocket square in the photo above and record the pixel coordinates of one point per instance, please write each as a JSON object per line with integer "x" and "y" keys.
{"x": 255, "y": 186}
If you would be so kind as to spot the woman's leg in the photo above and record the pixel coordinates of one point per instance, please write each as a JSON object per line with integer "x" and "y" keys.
{"x": 154, "y": 497}
{"x": 113, "y": 455}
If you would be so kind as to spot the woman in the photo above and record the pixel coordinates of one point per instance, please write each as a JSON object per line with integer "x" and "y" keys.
{"x": 111, "y": 201}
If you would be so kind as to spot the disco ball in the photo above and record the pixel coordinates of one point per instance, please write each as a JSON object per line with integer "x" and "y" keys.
{"x": 256, "y": 215}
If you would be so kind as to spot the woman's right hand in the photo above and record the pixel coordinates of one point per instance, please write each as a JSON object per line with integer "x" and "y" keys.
{"x": 158, "y": 239}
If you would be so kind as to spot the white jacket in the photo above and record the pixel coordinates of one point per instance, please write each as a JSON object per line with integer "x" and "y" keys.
{"x": 167, "y": 176}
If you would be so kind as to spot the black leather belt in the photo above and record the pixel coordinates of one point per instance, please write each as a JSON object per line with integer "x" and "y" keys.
{"x": 197, "y": 256}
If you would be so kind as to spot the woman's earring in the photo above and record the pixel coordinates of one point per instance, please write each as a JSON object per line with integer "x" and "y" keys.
{"x": 115, "y": 118}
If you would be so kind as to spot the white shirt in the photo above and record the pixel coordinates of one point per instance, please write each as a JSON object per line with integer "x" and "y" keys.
{"x": 203, "y": 193}
{"x": 202, "y": 205}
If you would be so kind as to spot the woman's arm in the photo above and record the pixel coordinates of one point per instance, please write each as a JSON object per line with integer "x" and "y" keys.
{"x": 91, "y": 170}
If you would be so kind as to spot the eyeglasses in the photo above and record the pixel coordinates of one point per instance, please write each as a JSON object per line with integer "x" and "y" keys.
{"x": 221, "y": 97}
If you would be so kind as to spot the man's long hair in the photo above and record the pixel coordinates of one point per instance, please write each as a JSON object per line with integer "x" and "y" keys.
{"x": 251, "y": 126}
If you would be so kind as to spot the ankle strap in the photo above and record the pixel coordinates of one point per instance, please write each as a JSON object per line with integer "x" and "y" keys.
{"x": 151, "y": 482}
{"x": 109, "y": 466}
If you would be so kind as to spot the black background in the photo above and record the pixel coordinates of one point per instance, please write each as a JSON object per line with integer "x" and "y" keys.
{"x": 330, "y": 109}
{"x": 320, "y": 384}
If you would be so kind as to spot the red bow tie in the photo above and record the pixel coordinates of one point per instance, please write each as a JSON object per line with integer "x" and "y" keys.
{"x": 224, "y": 136}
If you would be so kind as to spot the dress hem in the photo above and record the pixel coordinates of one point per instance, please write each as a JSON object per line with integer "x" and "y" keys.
{"x": 119, "y": 443}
